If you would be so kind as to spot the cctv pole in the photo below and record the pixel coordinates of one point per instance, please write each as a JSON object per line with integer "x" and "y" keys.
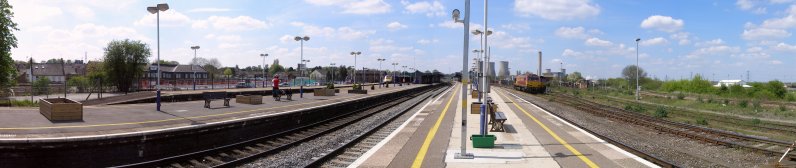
{"x": 158, "y": 80}
{"x": 638, "y": 89}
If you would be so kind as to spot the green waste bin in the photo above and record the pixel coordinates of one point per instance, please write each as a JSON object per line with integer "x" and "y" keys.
{"x": 483, "y": 141}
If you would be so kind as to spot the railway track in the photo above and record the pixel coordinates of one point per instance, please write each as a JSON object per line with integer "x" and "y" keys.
{"x": 714, "y": 136}
{"x": 761, "y": 125}
{"x": 248, "y": 151}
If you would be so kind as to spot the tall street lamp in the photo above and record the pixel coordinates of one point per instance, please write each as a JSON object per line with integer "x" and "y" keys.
{"x": 394, "y": 78}
{"x": 355, "y": 53}
{"x": 156, "y": 10}
{"x": 638, "y": 89}
{"x": 302, "y": 40}
{"x": 381, "y": 79}
{"x": 194, "y": 48}
{"x": 465, "y": 47}
{"x": 332, "y": 64}
{"x": 265, "y": 81}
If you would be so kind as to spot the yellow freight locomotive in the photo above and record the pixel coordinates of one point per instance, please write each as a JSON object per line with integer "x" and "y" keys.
{"x": 530, "y": 83}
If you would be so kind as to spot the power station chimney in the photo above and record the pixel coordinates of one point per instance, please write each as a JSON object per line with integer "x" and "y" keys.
{"x": 539, "y": 72}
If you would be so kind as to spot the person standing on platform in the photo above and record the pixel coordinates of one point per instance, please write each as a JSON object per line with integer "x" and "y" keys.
{"x": 276, "y": 92}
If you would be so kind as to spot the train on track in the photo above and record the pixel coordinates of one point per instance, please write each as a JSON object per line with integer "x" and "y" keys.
{"x": 531, "y": 83}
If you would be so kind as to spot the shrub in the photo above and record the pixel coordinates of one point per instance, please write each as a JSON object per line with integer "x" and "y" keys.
{"x": 41, "y": 86}
{"x": 24, "y": 103}
{"x": 783, "y": 108}
{"x": 701, "y": 121}
{"x": 330, "y": 85}
{"x": 756, "y": 121}
{"x": 680, "y": 96}
{"x": 791, "y": 97}
{"x": 726, "y": 101}
{"x": 661, "y": 112}
{"x": 635, "y": 108}
{"x": 743, "y": 103}
{"x": 756, "y": 104}
{"x": 699, "y": 99}
{"x": 710, "y": 100}
{"x": 356, "y": 87}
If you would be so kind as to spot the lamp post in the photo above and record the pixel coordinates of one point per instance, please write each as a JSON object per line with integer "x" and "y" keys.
{"x": 194, "y": 48}
{"x": 301, "y": 72}
{"x": 304, "y": 62}
{"x": 403, "y": 71}
{"x": 156, "y": 10}
{"x": 355, "y": 53}
{"x": 381, "y": 80}
{"x": 394, "y": 78}
{"x": 265, "y": 81}
{"x": 638, "y": 89}
{"x": 332, "y": 64}
{"x": 465, "y": 47}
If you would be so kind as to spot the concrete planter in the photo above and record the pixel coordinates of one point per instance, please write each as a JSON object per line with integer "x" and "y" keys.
{"x": 474, "y": 94}
{"x": 323, "y": 92}
{"x": 361, "y": 91}
{"x": 249, "y": 99}
{"x": 61, "y": 109}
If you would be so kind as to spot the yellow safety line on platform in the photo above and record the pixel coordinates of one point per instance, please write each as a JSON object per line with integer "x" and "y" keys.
{"x": 555, "y": 136}
{"x": 430, "y": 136}
{"x": 157, "y": 121}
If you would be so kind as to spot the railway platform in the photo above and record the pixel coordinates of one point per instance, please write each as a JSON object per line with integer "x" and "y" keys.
{"x": 532, "y": 138}
{"x": 106, "y": 121}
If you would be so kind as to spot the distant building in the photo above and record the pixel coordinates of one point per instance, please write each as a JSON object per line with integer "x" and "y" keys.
{"x": 57, "y": 73}
{"x": 550, "y": 74}
{"x": 729, "y": 83}
{"x": 172, "y": 73}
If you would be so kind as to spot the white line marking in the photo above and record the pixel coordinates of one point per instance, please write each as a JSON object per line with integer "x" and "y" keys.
{"x": 384, "y": 141}
{"x": 612, "y": 146}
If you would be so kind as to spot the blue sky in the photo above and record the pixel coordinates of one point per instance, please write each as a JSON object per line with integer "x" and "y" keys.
{"x": 718, "y": 38}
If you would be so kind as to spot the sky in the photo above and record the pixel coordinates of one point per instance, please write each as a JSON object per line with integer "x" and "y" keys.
{"x": 720, "y": 39}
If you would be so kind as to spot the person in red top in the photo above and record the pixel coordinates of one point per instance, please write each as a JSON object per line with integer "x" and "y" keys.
{"x": 276, "y": 90}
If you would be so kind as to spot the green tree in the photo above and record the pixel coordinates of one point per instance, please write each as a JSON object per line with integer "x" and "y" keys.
{"x": 7, "y": 40}
{"x": 629, "y": 73}
{"x": 275, "y": 68}
{"x": 125, "y": 61}
{"x": 574, "y": 76}
{"x": 80, "y": 82}
{"x": 228, "y": 72}
{"x": 41, "y": 86}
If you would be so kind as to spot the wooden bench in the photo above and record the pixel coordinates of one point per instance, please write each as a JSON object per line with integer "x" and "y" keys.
{"x": 497, "y": 122}
{"x": 210, "y": 96}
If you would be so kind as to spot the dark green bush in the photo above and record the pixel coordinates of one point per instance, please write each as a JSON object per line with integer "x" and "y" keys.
{"x": 743, "y": 103}
{"x": 635, "y": 108}
{"x": 756, "y": 104}
{"x": 783, "y": 108}
{"x": 756, "y": 121}
{"x": 680, "y": 96}
{"x": 661, "y": 112}
{"x": 701, "y": 121}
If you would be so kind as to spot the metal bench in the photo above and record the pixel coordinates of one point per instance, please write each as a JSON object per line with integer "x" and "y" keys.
{"x": 497, "y": 122}
{"x": 210, "y": 96}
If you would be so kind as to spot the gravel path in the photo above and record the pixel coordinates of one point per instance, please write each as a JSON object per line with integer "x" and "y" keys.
{"x": 678, "y": 150}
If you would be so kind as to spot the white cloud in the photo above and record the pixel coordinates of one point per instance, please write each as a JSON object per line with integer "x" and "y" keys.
{"x": 364, "y": 7}
{"x": 427, "y": 41}
{"x": 388, "y": 47}
{"x": 344, "y": 33}
{"x": 575, "y": 54}
{"x": 571, "y": 32}
{"x": 396, "y": 26}
{"x": 286, "y": 38}
{"x": 782, "y": 47}
{"x": 776, "y": 62}
{"x": 750, "y": 5}
{"x": 662, "y": 23}
{"x": 764, "y": 34}
{"x": 224, "y": 38}
{"x": 557, "y": 9}
{"x": 81, "y": 12}
{"x": 654, "y": 41}
{"x": 516, "y": 27}
{"x": 713, "y": 50}
{"x": 197, "y": 10}
{"x": 169, "y": 18}
{"x": 682, "y": 38}
{"x": 786, "y": 22}
{"x": 450, "y": 24}
{"x": 429, "y": 8}
{"x": 714, "y": 42}
{"x": 239, "y": 23}
{"x": 91, "y": 38}
{"x": 597, "y": 42}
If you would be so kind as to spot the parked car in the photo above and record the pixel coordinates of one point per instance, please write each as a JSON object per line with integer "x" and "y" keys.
{"x": 243, "y": 85}
{"x": 285, "y": 84}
